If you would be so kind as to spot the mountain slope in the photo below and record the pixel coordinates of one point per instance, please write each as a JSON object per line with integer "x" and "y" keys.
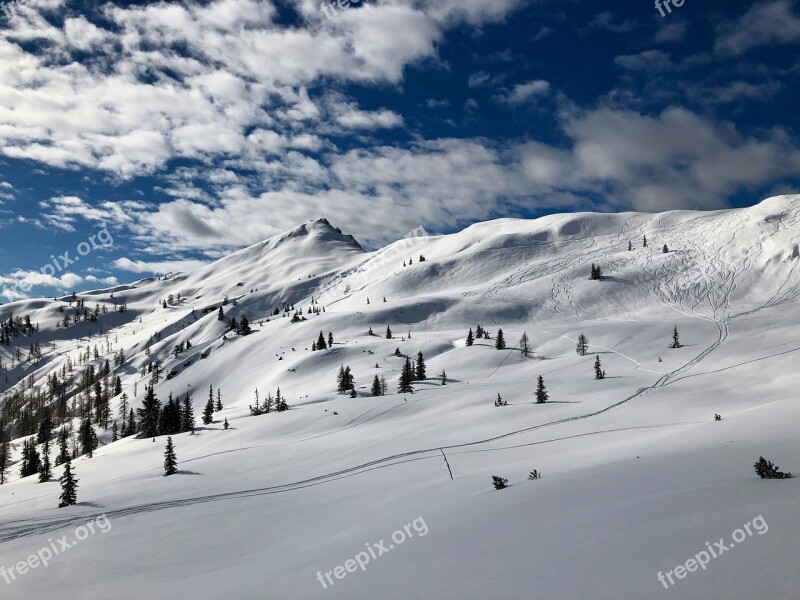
{"x": 633, "y": 464}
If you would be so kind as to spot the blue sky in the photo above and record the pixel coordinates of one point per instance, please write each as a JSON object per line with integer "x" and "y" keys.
{"x": 185, "y": 130}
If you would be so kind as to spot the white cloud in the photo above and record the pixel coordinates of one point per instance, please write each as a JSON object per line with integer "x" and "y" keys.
{"x": 157, "y": 267}
{"x": 770, "y": 22}
{"x": 525, "y": 91}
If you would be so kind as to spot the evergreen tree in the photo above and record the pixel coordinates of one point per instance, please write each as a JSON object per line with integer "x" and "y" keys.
{"x": 45, "y": 426}
{"x": 470, "y": 338}
{"x": 330, "y": 339}
{"x": 321, "y": 342}
{"x": 644, "y": 241}
{"x": 665, "y": 250}
{"x": 766, "y": 470}
{"x": 69, "y": 487}
{"x": 541, "y": 392}
{"x": 582, "y": 346}
{"x": 225, "y": 424}
{"x": 405, "y": 385}
{"x": 88, "y": 437}
{"x": 63, "y": 446}
{"x": 29, "y": 465}
{"x": 244, "y": 326}
{"x": 500, "y": 342}
{"x": 170, "y": 461}
{"x": 598, "y": 370}
{"x": 630, "y": 245}
{"x": 114, "y": 432}
{"x": 218, "y": 406}
{"x": 499, "y": 483}
{"x": 420, "y": 371}
{"x": 524, "y": 344}
{"x": 345, "y": 380}
{"x": 45, "y": 471}
{"x": 220, "y": 314}
{"x": 388, "y": 333}
{"x": 171, "y": 417}
{"x": 376, "y": 386}
{"x": 149, "y": 414}
{"x": 676, "y": 342}
{"x": 479, "y": 332}
{"x": 131, "y": 430}
{"x": 5, "y": 457}
{"x": 208, "y": 411}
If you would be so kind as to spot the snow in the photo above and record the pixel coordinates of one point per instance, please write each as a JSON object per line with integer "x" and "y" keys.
{"x": 637, "y": 476}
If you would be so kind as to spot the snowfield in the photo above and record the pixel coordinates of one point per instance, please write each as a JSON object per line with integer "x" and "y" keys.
{"x": 637, "y": 477}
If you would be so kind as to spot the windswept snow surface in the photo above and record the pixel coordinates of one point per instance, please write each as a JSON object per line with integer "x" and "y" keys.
{"x": 637, "y": 475}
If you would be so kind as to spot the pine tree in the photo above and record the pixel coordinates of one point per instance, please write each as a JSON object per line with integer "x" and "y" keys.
{"x": 29, "y": 465}
{"x": 88, "y": 437}
{"x": 630, "y": 245}
{"x": 321, "y": 345}
{"x": 388, "y": 333}
{"x": 524, "y": 345}
{"x": 131, "y": 424}
{"x": 405, "y": 385}
{"x": 149, "y": 414}
{"x": 499, "y": 483}
{"x": 676, "y": 342}
{"x": 598, "y": 370}
{"x": 500, "y": 342}
{"x": 45, "y": 471}
{"x": 208, "y": 411}
{"x": 665, "y": 250}
{"x": 470, "y": 338}
{"x": 170, "y": 461}
{"x": 766, "y": 470}
{"x": 63, "y": 447}
{"x": 225, "y": 424}
{"x": 644, "y": 241}
{"x": 420, "y": 371}
{"x": 330, "y": 339}
{"x": 582, "y": 346}
{"x": 220, "y": 314}
{"x": 443, "y": 377}
{"x": 69, "y": 487}
{"x": 45, "y": 426}
{"x": 218, "y": 406}
{"x": 376, "y": 386}
{"x": 114, "y": 432}
{"x": 5, "y": 457}
{"x": 541, "y": 392}
{"x": 244, "y": 326}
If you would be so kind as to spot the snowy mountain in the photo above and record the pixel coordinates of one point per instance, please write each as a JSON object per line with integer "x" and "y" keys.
{"x": 637, "y": 476}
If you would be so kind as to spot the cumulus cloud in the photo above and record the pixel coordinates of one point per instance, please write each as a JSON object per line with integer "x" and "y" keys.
{"x": 525, "y": 91}
{"x": 770, "y": 22}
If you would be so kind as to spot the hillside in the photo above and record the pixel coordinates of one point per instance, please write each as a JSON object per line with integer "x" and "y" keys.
{"x": 637, "y": 475}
